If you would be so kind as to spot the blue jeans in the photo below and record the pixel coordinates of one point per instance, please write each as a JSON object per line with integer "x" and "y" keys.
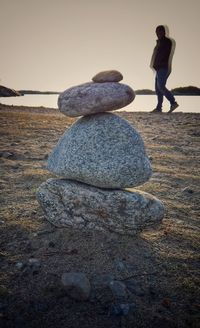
{"x": 160, "y": 87}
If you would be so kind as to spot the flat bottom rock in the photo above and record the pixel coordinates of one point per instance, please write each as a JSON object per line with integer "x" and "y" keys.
{"x": 68, "y": 203}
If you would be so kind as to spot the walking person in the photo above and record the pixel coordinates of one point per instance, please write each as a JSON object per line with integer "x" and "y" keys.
{"x": 161, "y": 62}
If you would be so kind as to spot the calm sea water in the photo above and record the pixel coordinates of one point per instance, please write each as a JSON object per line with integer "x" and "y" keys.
{"x": 187, "y": 104}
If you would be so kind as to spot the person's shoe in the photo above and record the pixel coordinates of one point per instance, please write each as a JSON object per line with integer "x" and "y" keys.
{"x": 173, "y": 107}
{"x": 157, "y": 110}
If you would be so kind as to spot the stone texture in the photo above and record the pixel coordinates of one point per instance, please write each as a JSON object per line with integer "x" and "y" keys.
{"x": 102, "y": 150}
{"x": 76, "y": 285}
{"x": 108, "y": 76}
{"x": 71, "y": 204}
{"x": 91, "y": 98}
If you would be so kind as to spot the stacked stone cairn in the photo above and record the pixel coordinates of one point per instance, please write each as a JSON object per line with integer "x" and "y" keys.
{"x": 98, "y": 158}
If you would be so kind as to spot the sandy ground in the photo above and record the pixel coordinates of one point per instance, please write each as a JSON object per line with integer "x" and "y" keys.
{"x": 159, "y": 267}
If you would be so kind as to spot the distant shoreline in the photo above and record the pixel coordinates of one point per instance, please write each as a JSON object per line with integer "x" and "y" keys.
{"x": 182, "y": 91}
{"x": 54, "y": 111}
{"x": 137, "y": 92}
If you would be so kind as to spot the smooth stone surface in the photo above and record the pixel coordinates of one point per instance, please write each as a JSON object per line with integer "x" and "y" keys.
{"x": 71, "y": 204}
{"x": 76, "y": 285}
{"x": 108, "y": 76}
{"x": 102, "y": 150}
{"x": 90, "y": 98}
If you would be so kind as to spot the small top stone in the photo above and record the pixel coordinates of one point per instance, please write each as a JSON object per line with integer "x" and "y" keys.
{"x": 108, "y": 76}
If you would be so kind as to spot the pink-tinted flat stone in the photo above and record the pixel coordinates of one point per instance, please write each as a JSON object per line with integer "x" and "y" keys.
{"x": 91, "y": 98}
{"x": 108, "y": 76}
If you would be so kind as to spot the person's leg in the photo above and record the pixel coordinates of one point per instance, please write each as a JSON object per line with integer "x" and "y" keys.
{"x": 158, "y": 108}
{"x": 159, "y": 94}
{"x": 162, "y": 76}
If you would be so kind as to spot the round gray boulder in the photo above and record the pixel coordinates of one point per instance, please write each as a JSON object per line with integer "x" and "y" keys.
{"x": 77, "y": 205}
{"x": 102, "y": 150}
{"x": 90, "y": 98}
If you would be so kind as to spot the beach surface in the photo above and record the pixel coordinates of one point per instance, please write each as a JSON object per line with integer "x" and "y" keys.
{"x": 160, "y": 267}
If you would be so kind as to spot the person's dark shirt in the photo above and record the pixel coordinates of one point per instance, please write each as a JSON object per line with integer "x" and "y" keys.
{"x": 162, "y": 53}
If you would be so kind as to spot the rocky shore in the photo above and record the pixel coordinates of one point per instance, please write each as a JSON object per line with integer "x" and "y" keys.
{"x": 148, "y": 280}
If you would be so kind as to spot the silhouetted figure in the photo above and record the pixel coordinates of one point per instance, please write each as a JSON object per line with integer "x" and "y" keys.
{"x": 161, "y": 62}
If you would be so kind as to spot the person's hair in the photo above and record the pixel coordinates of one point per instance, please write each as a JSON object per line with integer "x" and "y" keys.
{"x": 160, "y": 28}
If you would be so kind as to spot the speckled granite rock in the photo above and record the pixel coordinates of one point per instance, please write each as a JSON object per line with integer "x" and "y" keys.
{"x": 108, "y": 76}
{"x": 71, "y": 204}
{"x": 102, "y": 150}
{"x": 91, "y": 98}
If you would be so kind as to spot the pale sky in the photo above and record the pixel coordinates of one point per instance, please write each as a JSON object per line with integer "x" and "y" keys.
{"x": 56, "y": 44}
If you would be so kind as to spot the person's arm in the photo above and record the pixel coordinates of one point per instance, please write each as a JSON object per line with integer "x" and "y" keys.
{"x": 153, "y": 58}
